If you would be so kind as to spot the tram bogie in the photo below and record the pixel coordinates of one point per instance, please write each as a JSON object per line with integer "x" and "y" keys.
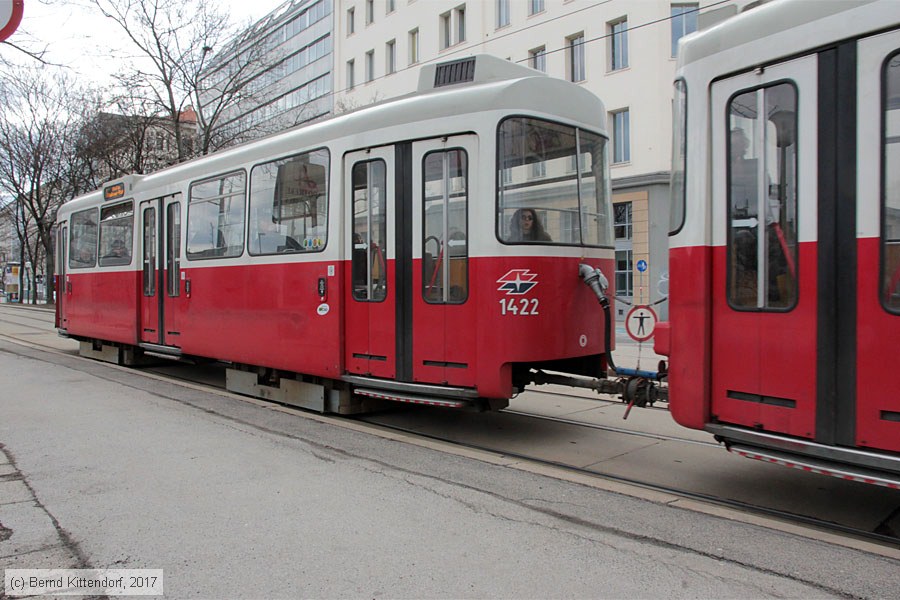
{"x": 783, "y": 265}
{"x": 426, "y": 248}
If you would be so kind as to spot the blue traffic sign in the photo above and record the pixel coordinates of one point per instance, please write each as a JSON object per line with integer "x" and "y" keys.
{"x": 642, "y": 265}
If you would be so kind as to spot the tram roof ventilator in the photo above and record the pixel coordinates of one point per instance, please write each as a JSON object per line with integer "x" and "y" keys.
{"x": 481, "y": 68}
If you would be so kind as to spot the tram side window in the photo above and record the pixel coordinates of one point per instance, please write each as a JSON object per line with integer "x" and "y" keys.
{"x": 216, "y": 217}
{"x": 149, "y": 258}
{"x": 553, "y": 184}
{"x": 762, "y": 198}
{"x": 116, "y": 234}
{"x": 289, "y": 204}
{"x": 890, "y": 268}
{"x": 173, "y": 248}
{"x": 445, "y": 258}
{"x": 369, "y": 208}
{"x": 83, "y": 239}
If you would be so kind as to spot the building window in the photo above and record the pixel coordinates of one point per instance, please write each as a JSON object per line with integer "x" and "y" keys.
{"x": 351, "y": 21}
{"x": 370, "y": 11}
{"x": 351, "y": 79}
{"x": 618, "y": 44}
{"x": 535, "y": 6}
{"x": 684, "y": 21}
{"x": 624, "y": 273}
{"x": 461, "y": 24}
{"x": 414, "y": 46}
{"x": 537, "y": 58}
{"x": 575, "y": 45}
{"x": 445, "y": 31}
{"x": 623, "y": 220}
{"x": 502, "y": 13}
{"x": 390, "y": 57}
{"x": 617, "y": 32}
{"x": 390, "y": 6}
{"x": 370, "y": 65}
{"x": 621, "y": 130}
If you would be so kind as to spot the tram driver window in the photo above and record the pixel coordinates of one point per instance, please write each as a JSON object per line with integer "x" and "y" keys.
{"x": 554, "y": 177}
{"x": 216, "y": 217}
{"x": 83, "y": 239}
{"x": 289, "y": 204}
{"x": 762, "y": 198}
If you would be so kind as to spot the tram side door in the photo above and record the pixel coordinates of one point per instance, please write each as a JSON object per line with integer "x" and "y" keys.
{"x": 765, "y": 269}
{"x": 877, "y": 406}
{"x": 62, "y": 270}
{"x": 370, "y": 326}
{"x": 160, "y": 226}
{"x": 441, "y": 319}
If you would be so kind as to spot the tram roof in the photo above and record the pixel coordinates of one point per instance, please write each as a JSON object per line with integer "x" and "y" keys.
{"x": 503, "y": 86}
{"x": 780, "y": 16}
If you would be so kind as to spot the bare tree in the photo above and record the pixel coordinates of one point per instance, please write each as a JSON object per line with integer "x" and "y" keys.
{"x": 175, "y": 39}
{"x": 119, "y": 137}
{"x": 227, "y": 85}
{"x": 37, "y": 140}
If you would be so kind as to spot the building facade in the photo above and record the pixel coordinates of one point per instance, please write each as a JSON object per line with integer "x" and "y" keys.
{"x": 277, "y": 74}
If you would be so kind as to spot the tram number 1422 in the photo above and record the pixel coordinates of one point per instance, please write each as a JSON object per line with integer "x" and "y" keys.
{"x": 519, "y": 306}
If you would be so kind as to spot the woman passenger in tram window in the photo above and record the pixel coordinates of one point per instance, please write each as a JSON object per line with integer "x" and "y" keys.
{"x": 525, "y": 226}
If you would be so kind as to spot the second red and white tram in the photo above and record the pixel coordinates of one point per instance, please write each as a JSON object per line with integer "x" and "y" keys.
{"x": 785, "y": 245}
{"x": 426, "y": 249}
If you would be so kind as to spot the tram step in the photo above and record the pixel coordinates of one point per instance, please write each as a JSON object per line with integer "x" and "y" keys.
{"x": 412, "y": 399}
{"x": 812, "y": 465}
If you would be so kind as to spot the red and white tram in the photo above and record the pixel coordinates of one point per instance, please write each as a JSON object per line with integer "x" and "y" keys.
{"x": 376, "y": 254}
{"x": 785, "y": 244}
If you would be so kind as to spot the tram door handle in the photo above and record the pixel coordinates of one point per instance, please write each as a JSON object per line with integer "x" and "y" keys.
{"x": 187, "y": 288}
{"x": 68, "y": 287}
{"x": 322, "y": 288}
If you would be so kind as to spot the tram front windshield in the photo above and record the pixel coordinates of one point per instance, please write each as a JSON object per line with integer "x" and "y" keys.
{"x": 552, "y": 185}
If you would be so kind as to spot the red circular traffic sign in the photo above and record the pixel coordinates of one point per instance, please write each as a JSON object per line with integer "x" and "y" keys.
{"x": 10, "y": 17}
{"x": 640, "y": 323}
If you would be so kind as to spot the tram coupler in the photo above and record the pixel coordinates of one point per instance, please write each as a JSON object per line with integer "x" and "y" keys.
{"x": 601, "y": 386}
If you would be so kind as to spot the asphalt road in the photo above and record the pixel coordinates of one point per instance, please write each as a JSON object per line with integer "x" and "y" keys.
{"x": 106, "y": 467}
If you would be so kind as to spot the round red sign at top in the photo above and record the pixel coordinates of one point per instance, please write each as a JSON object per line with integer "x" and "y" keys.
{"x": 10, "y": 16}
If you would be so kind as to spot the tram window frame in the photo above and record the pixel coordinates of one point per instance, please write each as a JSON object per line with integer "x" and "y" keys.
{"x": 79, "y": 245}
{"x": 149, "y": 258}
{"x": 589, "y": 186}
{"x": 889, "y": 280}
{"x": 112, "y": 226}
{"x": 173, "y": 248}
{"x": 366, "y": 253}
{"x": 762, "y": 301}
{"x": 281, "y": 213}
{"x": 225, "y": 245}
{"x": 678, "y": 177}
{"x": 454, "y": 276}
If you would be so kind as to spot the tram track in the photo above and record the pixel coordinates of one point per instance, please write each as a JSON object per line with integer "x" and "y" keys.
{"x": 781, "y": 515}
{"x": 553, "y": 436}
